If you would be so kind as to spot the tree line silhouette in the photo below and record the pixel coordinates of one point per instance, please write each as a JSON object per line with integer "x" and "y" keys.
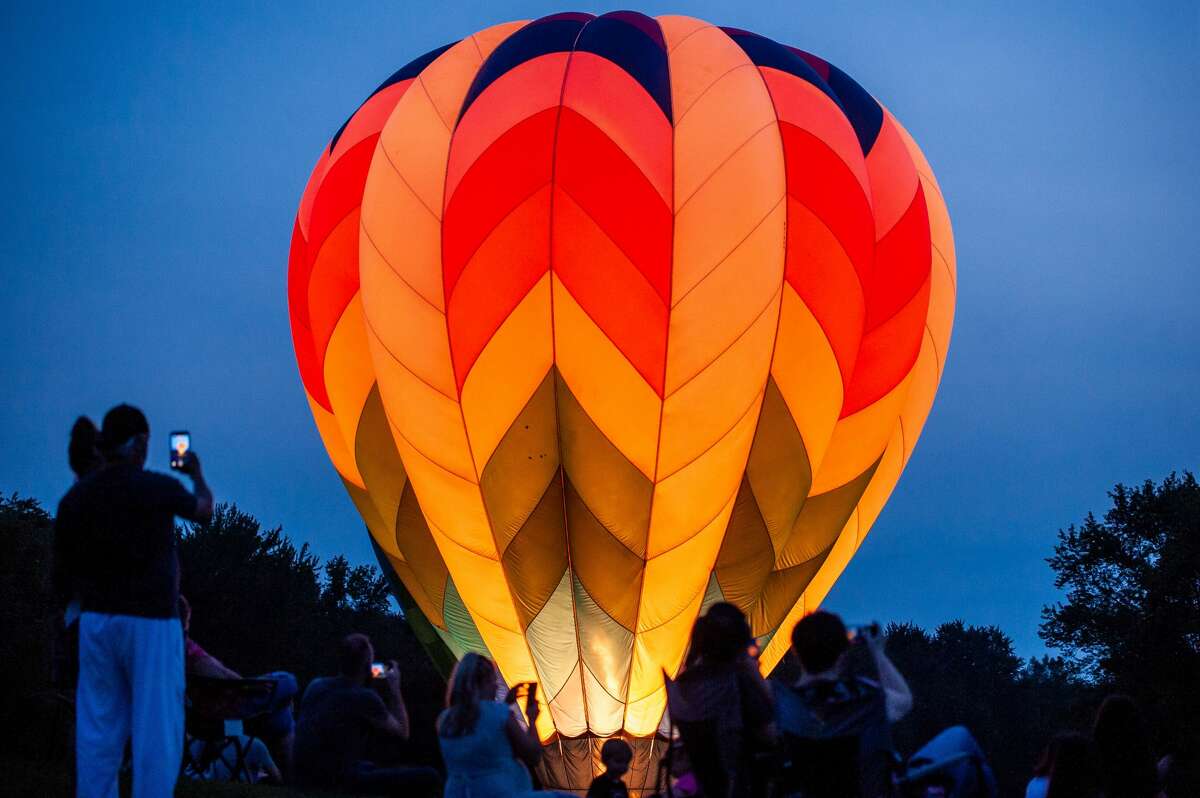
{"x": 1129, "y": 622}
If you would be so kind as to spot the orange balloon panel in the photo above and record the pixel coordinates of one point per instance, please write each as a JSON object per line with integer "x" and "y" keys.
{"x": 604, "y": 319}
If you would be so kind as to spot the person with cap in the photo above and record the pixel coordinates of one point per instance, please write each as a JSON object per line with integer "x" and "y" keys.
{"x": 115, "y": 549}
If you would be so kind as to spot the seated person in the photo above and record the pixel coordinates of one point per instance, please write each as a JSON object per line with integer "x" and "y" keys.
{"x": 722, "y": 705}
{"x": 835, "y": 724}
{"x": 487, "y": 748}
{"x": 615, "y": 755}
{"x": 821, "y": 642}
{"x": 216, "y": 762}
{"x": 340, "y": 721}
{"x": 1067, "y": 767}
{"x": 277, "y": 726}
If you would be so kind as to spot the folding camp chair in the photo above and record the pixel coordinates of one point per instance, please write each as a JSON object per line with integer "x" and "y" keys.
{"x": 216, "y": 710}
{"x": 714, "y": 750}
{"x": 835, "y": 743}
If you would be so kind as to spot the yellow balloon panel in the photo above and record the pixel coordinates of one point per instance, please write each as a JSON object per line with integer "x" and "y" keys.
{"x": 603, "y": 321}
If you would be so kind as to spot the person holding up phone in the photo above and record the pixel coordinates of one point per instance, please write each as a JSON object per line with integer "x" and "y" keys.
{"x": 341, "y": 719}
{"x": 115, "y": 549}
{"x": 486, "y": 747}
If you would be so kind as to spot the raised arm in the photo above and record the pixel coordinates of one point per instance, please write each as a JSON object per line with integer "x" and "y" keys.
{"x": 524, "y": 741}
{"x": 897, "y": 695}
{"x": 204, "y": 497}
{"x": 396, "y": 723}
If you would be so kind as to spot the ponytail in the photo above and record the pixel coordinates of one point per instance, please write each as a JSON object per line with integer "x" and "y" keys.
{"x": 83, "y": 452}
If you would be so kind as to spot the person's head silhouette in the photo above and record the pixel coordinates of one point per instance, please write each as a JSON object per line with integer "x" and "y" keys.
{"x": 820, "y": 640}
{"x": 124, "y": 436}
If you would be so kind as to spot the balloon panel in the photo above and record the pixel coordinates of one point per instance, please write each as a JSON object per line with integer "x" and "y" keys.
{"x": 604, "y": 319}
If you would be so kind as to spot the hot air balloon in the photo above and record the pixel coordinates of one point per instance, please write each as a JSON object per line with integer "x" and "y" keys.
{"x": 605, "y": 319}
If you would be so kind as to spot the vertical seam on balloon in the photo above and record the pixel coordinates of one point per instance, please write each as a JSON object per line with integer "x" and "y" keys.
{"x": 438, "y": 111}
{"x": 908, "y": 301}
{"x": 353, "y": 445}
{"x": 727, "y": 504}
{"x": 420, "y": 583}
{"x": 611, "y": 240}
{"x": 585, "y": 667}
{"x": 551, "y": 698}
{"x": 700, "y": 186}
{"x": 864, "y": 281}
{"x": 778, "y": 318}
{"x": 605, "y": 335}
{"x": 367, "y": 234}
{"x": 461, "y": 413}
{"x": 737, "y": 339}
{"x": 562, "y": 474}
{"x": 388, "y": 156}
{"x": 837, "y": 236}
{"x": 936, "y": 355}
{"x": 487, "y": 237}
{"x": 607, "y": 531}
{"x": 919, "y": 189}
{"x": 679, "y": 43}
{"x": 753, "y": 229}
{"x": 945, "y": 264}
{"x": 663, "y": 382}
{"x": 375, "y": 334}
{"x": 716, "y": 80}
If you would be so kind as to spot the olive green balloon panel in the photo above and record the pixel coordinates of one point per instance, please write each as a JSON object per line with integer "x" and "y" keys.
{"x": 605, "y": 319}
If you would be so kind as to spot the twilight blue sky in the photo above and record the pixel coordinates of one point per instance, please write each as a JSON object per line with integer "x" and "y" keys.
{"x": 155, "y": 154}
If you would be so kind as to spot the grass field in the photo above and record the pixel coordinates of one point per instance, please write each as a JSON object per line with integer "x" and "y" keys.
{"x": 26, "y": 778}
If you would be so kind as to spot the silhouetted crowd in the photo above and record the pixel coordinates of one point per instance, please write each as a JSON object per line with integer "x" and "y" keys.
{"x": 151, "y": 699}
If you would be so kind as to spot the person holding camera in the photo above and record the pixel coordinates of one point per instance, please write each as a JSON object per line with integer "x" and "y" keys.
{"x": 835, "y": 725}
{"x": 115, "y": 551}
{"x": 341, "y": 719}
{"x": 488, "y": 749}
{"x": 821, "y": 643}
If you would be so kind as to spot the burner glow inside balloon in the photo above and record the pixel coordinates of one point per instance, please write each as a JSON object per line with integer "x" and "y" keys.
{"x": 605, "y": 319}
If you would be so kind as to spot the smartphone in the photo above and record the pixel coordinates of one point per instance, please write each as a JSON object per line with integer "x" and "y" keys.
{"x": 860, "y": 632}
{"x": 377, "y": 670}
{"x": 181, "y": 441}
{"x": 527, "y": 690}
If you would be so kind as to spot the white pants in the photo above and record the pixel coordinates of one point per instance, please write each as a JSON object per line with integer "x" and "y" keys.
{"x": 130, "y": 683}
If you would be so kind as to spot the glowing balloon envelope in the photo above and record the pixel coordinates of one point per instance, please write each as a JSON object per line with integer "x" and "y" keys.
{"x": 605, "y": 319}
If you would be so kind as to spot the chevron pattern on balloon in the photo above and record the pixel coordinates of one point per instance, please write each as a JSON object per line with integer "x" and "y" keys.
{"x": 602, "y": 319}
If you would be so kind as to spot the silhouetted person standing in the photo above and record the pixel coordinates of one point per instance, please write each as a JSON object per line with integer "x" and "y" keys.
{"x": 115, "y": 548}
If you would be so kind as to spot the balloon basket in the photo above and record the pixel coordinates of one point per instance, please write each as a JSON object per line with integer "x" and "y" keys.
{"x": 570, "y": 763}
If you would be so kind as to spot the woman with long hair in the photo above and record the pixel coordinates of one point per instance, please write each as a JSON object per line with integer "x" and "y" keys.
{"x": 1067, "y": 769}
{"x": 83, "y": 455}
{"x": 1127, "y": 767}
{"x": 83, "y": 451}
{"x": 487, "y": 750}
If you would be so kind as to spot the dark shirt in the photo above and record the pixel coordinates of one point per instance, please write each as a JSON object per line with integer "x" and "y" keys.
{"x": 733, "y": 693}
{"x": 832, "y": 728}
{"x": 605, "y": 786}
{"x": 723, "y": 711}
{"x": 115, "y": 542}
{"x": 336, "y": 723}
